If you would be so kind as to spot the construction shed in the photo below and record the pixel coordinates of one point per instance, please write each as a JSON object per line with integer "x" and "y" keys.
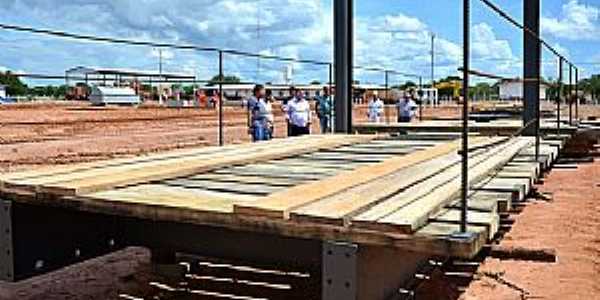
{"x": 102, "y": 95}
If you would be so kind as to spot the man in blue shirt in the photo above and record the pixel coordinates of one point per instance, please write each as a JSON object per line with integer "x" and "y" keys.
{"x": 323, "y": 106}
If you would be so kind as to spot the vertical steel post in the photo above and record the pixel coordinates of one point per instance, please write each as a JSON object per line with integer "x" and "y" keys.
{"x": 432, "y": 60}
{"x": 560, "y": 87}
{"x": 221, "y": 77}
{"x": 465, "y": 116}
{"x": 420, "y": 98}
{"x": 570, "y": 97}
{"x": 343, "y": 61}
{"x": 577, "y": 94}
{"x": 332, "y": 97}
{"x": 387, "y": 87}
{"x": 532, "y": 52}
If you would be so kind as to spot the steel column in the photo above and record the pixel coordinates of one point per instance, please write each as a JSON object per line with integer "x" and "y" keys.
{"x": 420, "y": 98}
{"x": 532, "y": 54}
{"x": 343, "y": 60}
{"x": 465, "y": 116}
{"x": 221, "y": 77}
{"x": 570, "y": 97}
{"x": 577, "y": 94}
{"x": 560, "y": 87}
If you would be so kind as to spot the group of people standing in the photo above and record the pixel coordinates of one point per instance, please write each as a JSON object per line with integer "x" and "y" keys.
{"x": 296, "y": 108}
{"x": 299, "y": 115}
{"x": 406, "y": 108}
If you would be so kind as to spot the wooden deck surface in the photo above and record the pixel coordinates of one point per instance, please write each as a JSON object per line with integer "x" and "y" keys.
{"x": 364, "y": 189}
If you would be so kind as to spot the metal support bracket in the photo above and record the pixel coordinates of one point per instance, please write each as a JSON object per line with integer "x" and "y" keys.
{"x": 339, "y": 271}
{"x": 6, "y": 242}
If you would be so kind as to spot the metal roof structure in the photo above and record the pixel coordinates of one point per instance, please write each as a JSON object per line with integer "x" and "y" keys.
{"x": 128, "y": 72}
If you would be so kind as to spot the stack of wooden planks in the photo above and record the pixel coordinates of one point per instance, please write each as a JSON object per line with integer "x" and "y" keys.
{"x": 399, "y": 192}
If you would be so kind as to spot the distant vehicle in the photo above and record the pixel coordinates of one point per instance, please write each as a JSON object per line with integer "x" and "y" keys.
{"x": 7, "y": 100}
{"x": 103, "y": 95}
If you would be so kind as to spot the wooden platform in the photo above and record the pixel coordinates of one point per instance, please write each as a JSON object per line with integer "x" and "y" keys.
{"x": 372, "y": 190}
{"x": 496, "y": 127}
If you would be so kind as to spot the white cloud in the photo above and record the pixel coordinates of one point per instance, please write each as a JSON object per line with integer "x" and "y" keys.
{"x": 578, "y": 21}
{"x": 292, "y": 28}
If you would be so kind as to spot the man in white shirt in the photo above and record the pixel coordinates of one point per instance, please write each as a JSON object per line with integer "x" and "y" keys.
{"x": 375, "y": 109}
{"x": 406, "y": 109}
{"x": 299, "y": 115}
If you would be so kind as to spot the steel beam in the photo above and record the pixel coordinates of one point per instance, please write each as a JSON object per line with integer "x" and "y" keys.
{"x": 343, "y": 64}
{"x": 532, "y": 52}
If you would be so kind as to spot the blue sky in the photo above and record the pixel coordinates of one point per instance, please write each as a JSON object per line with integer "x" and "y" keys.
{"x": 393, "y": 34}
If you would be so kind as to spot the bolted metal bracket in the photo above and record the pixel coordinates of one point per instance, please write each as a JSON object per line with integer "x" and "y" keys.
{"x": 6, "y": 242}
{"x": 463, "y": 236}
{"x": 339, "y": 271}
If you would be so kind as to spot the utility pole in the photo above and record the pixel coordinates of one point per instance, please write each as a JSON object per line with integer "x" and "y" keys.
{"x": 160, "y": 67}
{"x": 432, "y": 60}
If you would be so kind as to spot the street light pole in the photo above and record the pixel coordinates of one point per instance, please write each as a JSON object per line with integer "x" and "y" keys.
{"x": 432, "y": 59}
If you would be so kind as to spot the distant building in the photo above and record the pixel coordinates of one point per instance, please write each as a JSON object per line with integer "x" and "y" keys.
{"x": 103, "y": 95}
{"x": 513, "y": 90}
{"x": 3, "y": 91}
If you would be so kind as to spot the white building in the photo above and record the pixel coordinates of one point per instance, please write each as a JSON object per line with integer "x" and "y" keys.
{"x": 102, "y": 95}
{"x": 430, "y": 96}
{"x": 3, "y": 91}
{"x": 513, "y": 90}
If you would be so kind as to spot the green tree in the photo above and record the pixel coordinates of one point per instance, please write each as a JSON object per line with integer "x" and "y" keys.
{"x": 225, "y": 79}
{"x": 408, "y": 85}
{"x": 13, "y": 84}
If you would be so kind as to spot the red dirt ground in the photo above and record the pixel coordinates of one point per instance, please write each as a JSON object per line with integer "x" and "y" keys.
{"x": 571, "y": 225}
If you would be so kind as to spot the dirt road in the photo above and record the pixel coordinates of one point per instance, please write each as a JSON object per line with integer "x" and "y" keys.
{"x": 570, "y": 224}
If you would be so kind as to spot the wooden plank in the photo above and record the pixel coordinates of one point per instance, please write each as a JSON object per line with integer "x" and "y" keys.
{"x": 519, "y": 188}
{"x": 369, "y": 218}
{"x": 247, "y": 179}
{"x": 339, "y": 208}
{"x": 101, "y": 168}
{"x": 371, "y": 151}
{"x": 184, "y": 167}
{"x": 282, "y": 169}
{"x": 489, "y": 220}
{"x": 415, "y": 214}
{"x": 279, "y": 205}
{"x": 169, "y": 196}
{"x": 447, "y": 231}
{"x": 312, "y": 163}
{"x": 258, "y": 173}
{"x": 225, "y": 187}
{"x": 484, "y": 200}
{"x": 346, "y": 157}
{"x": 80, "y": 167}
{"x": 325, "y": 162}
